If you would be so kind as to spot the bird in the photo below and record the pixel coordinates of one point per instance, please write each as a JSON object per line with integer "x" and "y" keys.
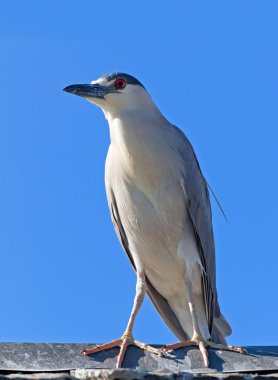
{"x": 160, "y": 207}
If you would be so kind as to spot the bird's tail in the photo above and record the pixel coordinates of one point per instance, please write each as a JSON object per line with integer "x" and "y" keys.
{"x": 220, "y": 329}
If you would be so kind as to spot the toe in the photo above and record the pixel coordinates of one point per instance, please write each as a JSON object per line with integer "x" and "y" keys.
{"x": 204, "y": 353}
{"x": 237, "y": 349}
{"x": 121, "y": 355}
{"x": 148, "y": 348}
{"x": 101, "y": 347}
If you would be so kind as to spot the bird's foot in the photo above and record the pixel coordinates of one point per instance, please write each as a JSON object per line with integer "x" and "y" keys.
{"x": 203, "y": 345}
{"x": 123, "y": 343}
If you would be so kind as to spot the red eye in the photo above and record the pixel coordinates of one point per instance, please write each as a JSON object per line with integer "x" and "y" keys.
{"x": 120, "y": 83}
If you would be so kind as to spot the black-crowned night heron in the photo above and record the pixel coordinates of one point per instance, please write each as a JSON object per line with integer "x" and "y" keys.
{"x": 160, "y": 208}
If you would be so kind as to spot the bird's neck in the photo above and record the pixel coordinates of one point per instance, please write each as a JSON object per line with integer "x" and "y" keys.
{"x": 137, "y": 146}
{"x": 135, "y": 130}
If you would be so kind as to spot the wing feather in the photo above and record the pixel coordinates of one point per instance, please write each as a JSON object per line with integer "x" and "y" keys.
{"x": 199, "y": 208}
{"x": 159, "y": 302}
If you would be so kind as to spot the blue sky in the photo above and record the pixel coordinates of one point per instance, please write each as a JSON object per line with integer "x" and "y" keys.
{"x": 212, "y": 69}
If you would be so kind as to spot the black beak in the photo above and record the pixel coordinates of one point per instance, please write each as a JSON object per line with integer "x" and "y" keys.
{"x": 87, "y": 90}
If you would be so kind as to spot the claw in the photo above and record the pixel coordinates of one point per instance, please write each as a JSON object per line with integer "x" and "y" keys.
{"x": 123, "y": 343}
{"x": 203, "y": 345}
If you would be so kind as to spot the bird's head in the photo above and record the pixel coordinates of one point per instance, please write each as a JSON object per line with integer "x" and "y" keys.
{"x": 114, "y": 93}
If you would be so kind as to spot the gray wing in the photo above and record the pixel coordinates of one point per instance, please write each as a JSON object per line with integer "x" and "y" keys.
{"x": 159, "y": 302}
{"x": 198, "y": 203}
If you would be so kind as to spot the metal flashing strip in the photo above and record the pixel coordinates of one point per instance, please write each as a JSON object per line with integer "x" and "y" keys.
{"x": 50, "y": 357}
